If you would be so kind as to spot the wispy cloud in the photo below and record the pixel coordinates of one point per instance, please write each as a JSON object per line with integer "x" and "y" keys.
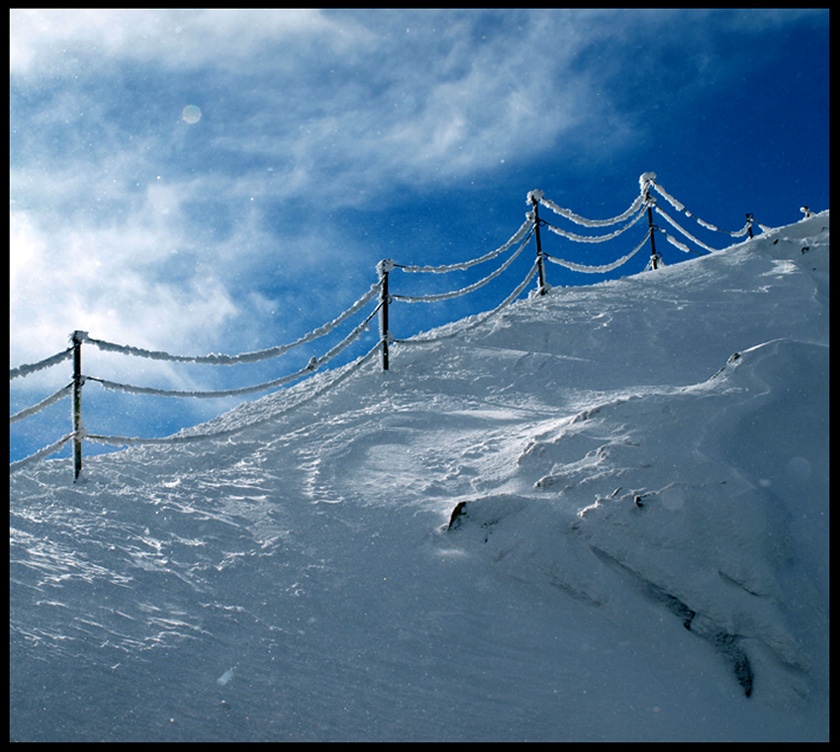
{"x": 131, "y": 222}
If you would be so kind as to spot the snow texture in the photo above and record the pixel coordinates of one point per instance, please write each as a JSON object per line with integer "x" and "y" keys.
{"x": 598, "y": 515}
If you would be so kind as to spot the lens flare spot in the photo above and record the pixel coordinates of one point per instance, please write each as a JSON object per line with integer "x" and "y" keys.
{"x": 191, "y": 114}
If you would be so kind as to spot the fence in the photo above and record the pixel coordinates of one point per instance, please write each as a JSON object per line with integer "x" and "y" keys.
{"x": 644, "y": 206}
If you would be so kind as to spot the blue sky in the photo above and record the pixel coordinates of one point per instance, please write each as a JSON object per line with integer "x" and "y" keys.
{"x": 331, "y": 139}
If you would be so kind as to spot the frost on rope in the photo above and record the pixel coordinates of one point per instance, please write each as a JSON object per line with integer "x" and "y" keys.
{"x": 26, "y": 370}
{"x": 469, "y": 288}
{"x": 598, "y": 269}
{"x": 443, "y": 268}
{"x": 596, "y": 238}
{"x": 251, "y": 357}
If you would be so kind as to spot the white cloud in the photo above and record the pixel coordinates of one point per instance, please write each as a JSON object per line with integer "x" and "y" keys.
{"x": 131, "y": 223}
{"x": 48, "y": 40}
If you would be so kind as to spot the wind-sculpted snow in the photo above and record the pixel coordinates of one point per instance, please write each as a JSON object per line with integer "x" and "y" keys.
{"x": 600, "y": 515}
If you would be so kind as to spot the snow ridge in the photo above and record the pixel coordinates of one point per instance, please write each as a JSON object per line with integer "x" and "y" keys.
{"x": 597, "y": 515}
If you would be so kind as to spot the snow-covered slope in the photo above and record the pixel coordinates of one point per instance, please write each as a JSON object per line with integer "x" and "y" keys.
{"x": 602, "y": 515}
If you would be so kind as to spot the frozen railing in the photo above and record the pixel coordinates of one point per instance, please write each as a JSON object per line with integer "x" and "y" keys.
{"x": 643, "y": 206}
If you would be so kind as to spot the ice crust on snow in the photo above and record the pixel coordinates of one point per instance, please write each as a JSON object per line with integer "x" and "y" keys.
{"x": 641, "y": 472}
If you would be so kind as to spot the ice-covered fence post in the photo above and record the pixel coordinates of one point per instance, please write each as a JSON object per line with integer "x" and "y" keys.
{"x": 540, "y": 262}
{"x": 78, "y": 338}
{"x": 644, "y": 182}
{"x": 383, "y": 267}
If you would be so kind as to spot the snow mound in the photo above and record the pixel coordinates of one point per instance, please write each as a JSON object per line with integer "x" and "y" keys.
{"x": 601, "y": 515}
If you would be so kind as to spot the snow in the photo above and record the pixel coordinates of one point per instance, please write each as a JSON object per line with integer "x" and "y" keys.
{"x": 601, "y": 514}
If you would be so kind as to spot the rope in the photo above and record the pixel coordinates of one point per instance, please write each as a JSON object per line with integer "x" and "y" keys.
{"x": 515, "y": 238}
{"x": 681, "y": 208}
{"x": 252, "y": 357}
{"x": 684, "y": 232}
{"x": 596, "y": 238}
{"x": 25, "y": 413}
{"x": 673, "y": 241}
{"x": 313, "y": 365}
{"x": 577, "y": 219}
{"x": 39, "y": 455}
{"x": 469, "y": 288}
{"x": 182, "y": 439}
{"x": 599, "y": 269}
{"x": 25, "y": 370}
{"x": 478, "y": 319}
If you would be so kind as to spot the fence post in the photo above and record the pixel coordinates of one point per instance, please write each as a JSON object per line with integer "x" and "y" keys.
{"x": 383, "y": 267}
{"x": 540, "y": 262}
{"x": 78, "y": 338}
{"x": 654, "y": 256}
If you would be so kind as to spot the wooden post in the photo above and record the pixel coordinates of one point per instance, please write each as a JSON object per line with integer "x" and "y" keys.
{"x": 645, "y": 184}
{"x": 78, "y": 338}
{"x": 383, "y": 268}
{"x": 540, "y": 262}
{"x": 654, "y": 257}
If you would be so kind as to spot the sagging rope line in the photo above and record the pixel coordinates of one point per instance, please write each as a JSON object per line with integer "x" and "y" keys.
{"x": 478, "y": 319}
{"x": 678, "y": 244}
{"x": 680, "y": 207}
{"x": 470, "y": 288}
{"x": 683, "y": 231}
{"x": 26, "y": 412}
{"x": 40, "y": 454}
{"x": 595, "y": 238}
{"x": 127, "y": 440}
{"x": 252, "y": 357}
{"x": 577, "y": 219}
{"x": 25, "y": 370}
{"x": 599, "y": 269}
{"x": 313, "y": 365}
{"x": 526, "y": 226}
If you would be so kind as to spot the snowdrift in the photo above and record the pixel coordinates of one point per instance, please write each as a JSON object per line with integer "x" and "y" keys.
{"x": 601, "y": 515}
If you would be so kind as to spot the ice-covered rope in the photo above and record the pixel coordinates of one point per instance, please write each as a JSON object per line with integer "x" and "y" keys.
{"x": 252, "y": 357}
{"x": 25, "y": 370}
{"x": 577, "y": 219}
{"x": 514, "y": 239}
{"x": 598, "y": 269}
{"x": 313, "y": 365}
{"x": 683, "y": 231}
{"x": 681, "y": 208}
{"x": 181, "y": 439}
{"x": 596, "y": 238}
{"x": 25, "y": 413}
{"x": 478, "y": 319}
{"x": 464, "y": 290}
{"x": 679, "y": 244}
{"x": 39, "y": 455}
